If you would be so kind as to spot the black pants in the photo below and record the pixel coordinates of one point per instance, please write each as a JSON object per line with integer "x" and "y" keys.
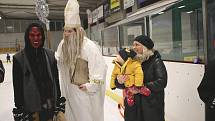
{"x": 143, "y": 110}
{"x": 132, "y": 113}
{"x": 210, "y": 114}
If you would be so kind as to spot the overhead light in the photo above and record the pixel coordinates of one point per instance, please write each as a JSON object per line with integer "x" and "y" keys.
{"x": 189, "y": 12}
{"x": 161, "y": 12}
{"x": 181, "y": 6}
{"x": 0, "y": 17}
{"x": 9, "y": 27}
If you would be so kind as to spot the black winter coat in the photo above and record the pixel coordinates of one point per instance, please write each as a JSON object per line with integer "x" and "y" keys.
{"x": 150, "y": 108}
{"x": 206, "y": 90}
{"x": 18, "y": 78}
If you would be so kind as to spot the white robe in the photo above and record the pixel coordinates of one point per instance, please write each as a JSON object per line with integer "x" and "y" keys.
{"x": 81, "y": 105}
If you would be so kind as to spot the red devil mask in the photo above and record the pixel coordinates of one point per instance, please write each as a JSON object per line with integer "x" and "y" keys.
{"x": 35, "y": 37}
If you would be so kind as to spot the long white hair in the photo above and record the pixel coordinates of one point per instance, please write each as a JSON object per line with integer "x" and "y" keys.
{"x": 71, "y": 47}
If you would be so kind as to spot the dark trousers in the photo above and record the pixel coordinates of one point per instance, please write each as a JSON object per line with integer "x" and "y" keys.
{"x": 43, "y": 116}
{"x": 143, "y": 110}
{"x": 210, "y": 114}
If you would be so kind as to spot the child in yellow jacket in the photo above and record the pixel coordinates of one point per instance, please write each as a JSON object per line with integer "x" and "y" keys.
{"x": 125, "y": 64}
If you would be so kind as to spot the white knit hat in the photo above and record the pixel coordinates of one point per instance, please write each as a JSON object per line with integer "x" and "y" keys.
{"x": 71, "y": 14}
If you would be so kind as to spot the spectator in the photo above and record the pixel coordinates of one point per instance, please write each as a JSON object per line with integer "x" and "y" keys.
{"x": 147, "y": 108}
{"x": 2, "y": 72}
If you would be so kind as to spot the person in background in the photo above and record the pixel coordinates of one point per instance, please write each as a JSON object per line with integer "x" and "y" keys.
{"x": 147, "y": 108}
{"x": 206, "y": 91}
{"x": 8, "y": 57}
{"x": 2, "y": 72}
{"x": 82, "y": 70}
{"x": 37, "y": 94}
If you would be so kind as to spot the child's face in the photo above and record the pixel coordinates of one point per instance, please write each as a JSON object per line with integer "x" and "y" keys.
{"x": 119, "y": 59}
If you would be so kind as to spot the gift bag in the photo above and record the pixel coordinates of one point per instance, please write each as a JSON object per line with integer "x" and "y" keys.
{"x": 81, "y": 72}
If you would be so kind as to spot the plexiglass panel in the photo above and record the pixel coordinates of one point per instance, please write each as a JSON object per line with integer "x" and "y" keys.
{"x": 211, "y": 30}
{"x": 131, "y": 30}
{"x": 178, "y": 32}
{"x": 110, "y": 41}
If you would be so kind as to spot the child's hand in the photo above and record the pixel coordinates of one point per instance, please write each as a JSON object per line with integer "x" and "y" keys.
{"x": 133, "y": 90}
{"x": 122, "y": 78}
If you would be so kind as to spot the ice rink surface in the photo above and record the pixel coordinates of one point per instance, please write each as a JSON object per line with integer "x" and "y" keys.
{"x": 111, "y": 112}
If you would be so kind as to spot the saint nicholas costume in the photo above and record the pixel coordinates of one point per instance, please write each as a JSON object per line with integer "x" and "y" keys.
{"x": 82, "y": 105}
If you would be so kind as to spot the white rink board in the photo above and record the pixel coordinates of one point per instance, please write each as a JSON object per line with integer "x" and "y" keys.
{"x": 182, "y": 99}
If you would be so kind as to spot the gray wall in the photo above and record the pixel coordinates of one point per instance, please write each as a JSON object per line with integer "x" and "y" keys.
{"x": 8, "y": 40}
{"x": 56, "y": 37}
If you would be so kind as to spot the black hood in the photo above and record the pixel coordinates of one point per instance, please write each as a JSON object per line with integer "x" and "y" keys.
{"x": 38, "y": 64}
{"x": 27, "y": 41}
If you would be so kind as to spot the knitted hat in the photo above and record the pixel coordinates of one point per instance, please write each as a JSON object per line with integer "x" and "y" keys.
{"x": 145, "y": 40}
{"x": 125, "y": 53}
{"x": 71, "y": 14}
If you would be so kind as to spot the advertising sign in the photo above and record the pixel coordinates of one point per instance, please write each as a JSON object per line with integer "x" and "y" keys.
{"x": 106, "y": 9}
{"x": 100, "y": 11}
{"x": 128, "y": 3}
{"x": 95, "y": 15}
{"x": 141, "y": 1}
{"x": 114, "y": 5}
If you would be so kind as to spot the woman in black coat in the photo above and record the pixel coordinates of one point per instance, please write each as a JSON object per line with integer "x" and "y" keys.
{"x": 206, "y": 91}
{"x": 147, "y": 108}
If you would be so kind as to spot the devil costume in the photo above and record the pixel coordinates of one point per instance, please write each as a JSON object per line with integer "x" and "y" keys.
{"x": 35, "y": 79}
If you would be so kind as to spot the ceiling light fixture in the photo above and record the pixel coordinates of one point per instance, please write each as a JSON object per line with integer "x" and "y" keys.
{"x": 181, "y": 6}
{"x": 42, "y": 11}
{"x": 161, "y": 13}
{"x": 189, "y": 12}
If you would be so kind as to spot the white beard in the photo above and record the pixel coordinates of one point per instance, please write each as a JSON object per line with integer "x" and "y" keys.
{"x": 70, "y": 49}
{"x": 70, "y": 52}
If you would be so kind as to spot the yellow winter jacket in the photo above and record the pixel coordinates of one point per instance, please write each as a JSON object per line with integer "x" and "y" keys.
{"x": 131, "y": 68}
